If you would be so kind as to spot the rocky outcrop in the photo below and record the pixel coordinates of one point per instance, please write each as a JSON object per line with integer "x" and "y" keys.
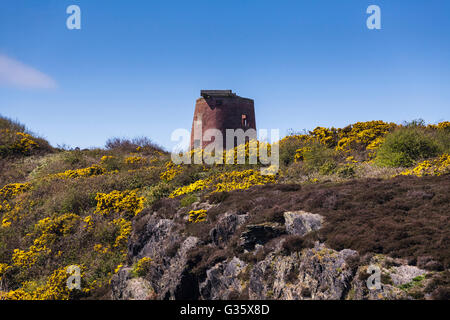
{"x": 222, "y": 281}
{"x": 316, "y": 273}
{"x": 125, "y": 287}
{"x": 177, "y": 283}
{"x": 261, "y": 269}
{"x": 226, "y": 227}
{"x": 405, "y": 274}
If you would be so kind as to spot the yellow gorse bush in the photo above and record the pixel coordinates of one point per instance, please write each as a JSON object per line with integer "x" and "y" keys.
{"x": 85, "y": 172}
{"x": 441, "y": 126}
{"x": 88, "y": 223}
{"x": 437, "y": 167}
{"x": 13, "y": 212}
{"x": 196, "y": 216}
{"x": 124, "y": 227}
{"x": 241, "y": 180}
{"x": 49, "y": 230}
{"x": 55, "y": 288}
{"x": 363, "y": 135}
{"x": 101, "y": 249}
{"x": 12, "y": 209}
{"x": 135, "y": 160}
{"x": 118, "y": 268}
{"x": 198, "y": 185}
{"x": 300, "y": 153}
{"x": 25, "y": 143}
{"x": 142, "y": 267}
{"x": 117, "y": 201}
{"x": 3, "y": 269}
{"x": 227, "y": 181}
{"x": 360, "y": 136}
{"x": 12, "y": 190}
{"x": 325, "y": 136}
{"x": 106, "y": 158}
{"x": 171, "y": 172}
{"x": 241, "y": 154}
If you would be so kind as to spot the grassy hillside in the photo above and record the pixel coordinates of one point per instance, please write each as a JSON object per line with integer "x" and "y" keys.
{"x": 78, "y": 207}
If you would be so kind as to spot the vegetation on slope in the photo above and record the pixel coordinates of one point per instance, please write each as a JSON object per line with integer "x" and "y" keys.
{"x": 60, "y": 208}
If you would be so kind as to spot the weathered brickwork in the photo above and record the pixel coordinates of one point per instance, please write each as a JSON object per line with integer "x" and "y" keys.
{"x": 222, "y": 109}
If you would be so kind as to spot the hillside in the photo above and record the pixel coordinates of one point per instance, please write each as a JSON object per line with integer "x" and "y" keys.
{"x": 139, "y": 226}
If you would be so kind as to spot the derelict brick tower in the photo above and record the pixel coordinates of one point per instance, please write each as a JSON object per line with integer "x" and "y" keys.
{"x": 222, "y": 109}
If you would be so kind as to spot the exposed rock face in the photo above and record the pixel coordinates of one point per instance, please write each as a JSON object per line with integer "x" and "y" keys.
{"x": 317, "y": 273}
{"x": 222, "y": 280}
{"x": 177, "y": 282}
{"x": 124, "y": 287}
{"x": 301, "y": 222}
{"x": 307, "y": 273}
{"x": 226, "y": 227}
{"x": 260, "y": 234}
{"x": 405, "y": 274}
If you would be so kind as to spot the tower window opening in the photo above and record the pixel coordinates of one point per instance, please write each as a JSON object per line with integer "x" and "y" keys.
{"x": 244, "y": 120}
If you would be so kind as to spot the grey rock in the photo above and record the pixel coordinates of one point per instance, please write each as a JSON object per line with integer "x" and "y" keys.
{"x": 222, "y": 280}
{"x": 302, "y": 222}
{"x": 317, "y": 273}
{"x": 226, "y": 227}
{"x": 405, "y": 274}
{"x": 124, "y": 287}
{"x": 177, "y": 283}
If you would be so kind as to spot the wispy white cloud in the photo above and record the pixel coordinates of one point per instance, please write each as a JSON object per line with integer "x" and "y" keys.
{"x": 16, "y": 74}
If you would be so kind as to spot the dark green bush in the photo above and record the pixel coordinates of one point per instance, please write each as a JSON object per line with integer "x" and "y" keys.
{"x": 346, "y": 171}
{"x": 329, "y": 167}
{"x": 317, "y": 156}
{"x": 287, "y": 150}
{"x": 188, "y": 200}
{"x": 405, "y": 146}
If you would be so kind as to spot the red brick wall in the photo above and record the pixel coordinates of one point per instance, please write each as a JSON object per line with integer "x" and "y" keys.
{"x": 224, "y": 115}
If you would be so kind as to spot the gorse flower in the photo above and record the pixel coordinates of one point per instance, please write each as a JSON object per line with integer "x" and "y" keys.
{"x": 12, "y": 190}
{"x": 123, "y": 233}
{"x": 48, "y": 231}
{"x": 227, "y": 181}
{"x": 135, "y": 160}
{"x": 196, "y": 216}
{"x": 117, "y": 201}
{"x": 171, "y": 172}
{"x": 85, "y": 172}
{"x": 141, "y": 267}
{"x": 437, "y": 167}
{"x": 55, "y": 288}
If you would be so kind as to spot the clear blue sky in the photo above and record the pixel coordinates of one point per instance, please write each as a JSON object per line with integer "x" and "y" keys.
{"x": 136, "y": 67}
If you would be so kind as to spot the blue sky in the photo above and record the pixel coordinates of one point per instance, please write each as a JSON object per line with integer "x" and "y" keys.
{"x": 136, "y": 67}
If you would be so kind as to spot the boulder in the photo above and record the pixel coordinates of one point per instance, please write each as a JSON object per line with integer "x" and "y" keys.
{"x": 302, "y": 222}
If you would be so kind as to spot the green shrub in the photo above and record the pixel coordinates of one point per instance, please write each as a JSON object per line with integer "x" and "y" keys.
{"x": 317, "y": 156}
{"x": 141, "y": 267}
{"x": 442, "y": 137}
{"x": 112, "y": 163}
{"x": 76, "y": 200}
{"x": 287, "y": 150}
{"x": 188, "y": 200}
{"x": 405, "y": 146}
{"x": 329, "y": 167}
{"x": 346, "y": 171}
{"x": 156, "y": 192}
